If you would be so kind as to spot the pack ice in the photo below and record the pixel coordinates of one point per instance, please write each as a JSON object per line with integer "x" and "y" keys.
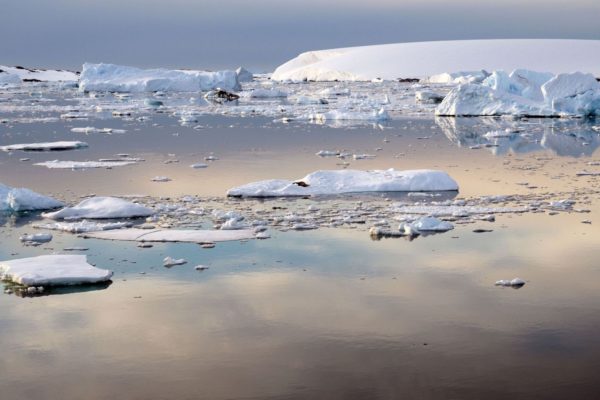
{"x": 117, "y": 78}
{"x": 21, "y": 199}
{"x": 101, "y": 208}
{"x": 424, "y": 59}
{"x": 349, "y": 181}
{"x": 52, "y": 270}
{"x": 37, "y": 74}
{"x": 525, "y": 93}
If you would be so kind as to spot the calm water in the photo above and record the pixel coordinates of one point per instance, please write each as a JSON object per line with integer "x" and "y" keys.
{"x": 320, "y": 314}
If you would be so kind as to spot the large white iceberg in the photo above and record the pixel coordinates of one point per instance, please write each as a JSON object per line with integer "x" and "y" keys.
{"x": 349, "y": 181}
{"x": 52, "y": 270}
{"x": 21, "y": 199}
{"x": 424, "y": 59}
{"x": 117, "y": 78}
{"x": 101, "y": 208}
{"x": 525, "y": 93}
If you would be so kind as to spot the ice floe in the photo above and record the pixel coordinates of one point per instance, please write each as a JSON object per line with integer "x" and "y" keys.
{"x": 56, "y": 164}
{"x": 82, "y": 226}
{"x": 21, "y": 199}
{"x": 101, "y": 208}
{"x": 116, "y": 78}
{"x": 36, "y": 238}
{"x": 38, "y": 74}
{"x": 173, "y": 235}
{"x": 349, "y": 181}
{"x": 45, "y": 146}
{"x": 514, "y": 283}
{"x": 171, "y": 262}
{"x": 52, "y": 270}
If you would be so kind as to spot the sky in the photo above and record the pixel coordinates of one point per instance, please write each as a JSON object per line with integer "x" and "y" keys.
{"x": 262, "y": 34}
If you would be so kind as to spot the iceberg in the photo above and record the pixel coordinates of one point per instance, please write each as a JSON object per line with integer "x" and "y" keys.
{"x": 101, "y": 208}
{"x": 350, "y": 181}
{"x": 8, "y": 79}
{"x": 244, "y": 75}
{"x": 425, "y": 59}
{"x": 21, "y": 199}
{"x": 117, "y": 78}
{"x": 40, "y": 75}
{"x": 52, "y": 270}
{"x": 525, "y": 93}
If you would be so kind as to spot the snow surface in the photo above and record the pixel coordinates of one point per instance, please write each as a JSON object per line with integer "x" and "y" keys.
{"x": 525, "y": 93}
{"x": 349, "y": 181}
{"x": 117, "y": 78}
{"x": 21, "y": 199}
{"x": 44, "y": 75}
{"x": 423, "y": 59}
{"x": 52, "y": 270}
{"x": 101, "y": 208}
{"x": 45, "y": 146}
{"x": 173, "y": 235}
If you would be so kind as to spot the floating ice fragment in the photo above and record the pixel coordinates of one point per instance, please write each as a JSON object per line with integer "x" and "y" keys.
{"x": 52, "y": 270}
{"x": 170, "y": 262}
{"x": 48, "y": 146}
{"x": 515, "y": 283}
{"x": 36, "y": 238}
{"x": 100, "y": 208}
{"x": 21, "y": 199}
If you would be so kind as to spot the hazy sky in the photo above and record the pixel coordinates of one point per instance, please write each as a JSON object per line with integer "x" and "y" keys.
{"x": 262, "y": 34}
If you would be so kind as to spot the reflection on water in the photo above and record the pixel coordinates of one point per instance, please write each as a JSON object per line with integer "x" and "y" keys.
{"x": 573, "y": 137}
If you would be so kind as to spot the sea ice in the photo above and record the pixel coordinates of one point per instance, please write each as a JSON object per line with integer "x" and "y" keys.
{"x": 52, "y": 270}
{"x": 56, "y": 164}
{"x": 173, "y": 235}
{"x": 350, "y": 181}
{"x": 101, "y": 208}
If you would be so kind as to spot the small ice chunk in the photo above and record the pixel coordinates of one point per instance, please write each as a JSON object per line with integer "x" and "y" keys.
{"x": 170, "y": 262}
{"x": 21, "y": 199}
{"x": 36, "y": 238}
{"x": 515, "y": 283}
{"x": 45, "y": 146}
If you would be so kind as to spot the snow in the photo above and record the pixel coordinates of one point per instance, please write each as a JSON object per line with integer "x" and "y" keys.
{"x": 52, "y": 270}
{"x": 45, "y": 146}
{"x": 423, "y": 59}
{"x": 116, "y": 78}
{"x": 525, "y": 93}
{"x": 45, "y": 75}
{"x": 349, "y": 181}
{"x": 21, "y": 199}
{"x": 56, "y": 164}
{"x": 173, "y": 235}
{"x": 100, "y": 208}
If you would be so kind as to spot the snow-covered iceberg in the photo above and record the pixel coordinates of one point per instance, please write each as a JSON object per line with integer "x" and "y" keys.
{"x": 8, "y": 79}
{"x": 424, "y": 59}
{"x": 101, "y": 208}
{"x": 349, "y": 181}
{"x": 525, "y": 93}
{"x": 21, "y": 199}
{"x": 52, "y": 270}
{"x": 117, "y": 78}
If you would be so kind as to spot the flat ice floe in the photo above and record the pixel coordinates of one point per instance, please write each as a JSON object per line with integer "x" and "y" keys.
{"x": 45, "y": 146}
{"x": 525, "y": 93}
{"x": 423, "y": 59}
{"x": 116, "y": 78}
{"x": 82, "y": 226}
{"x": 21, "y": 199}
{"x": 350, "y": 181}
{"x": 346, "y": 115}
{"x": 173, "y": 235}
{"x": 52, "y": 270}
{"x": 101, "y": 208}
{"x": 56, "y": 164}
